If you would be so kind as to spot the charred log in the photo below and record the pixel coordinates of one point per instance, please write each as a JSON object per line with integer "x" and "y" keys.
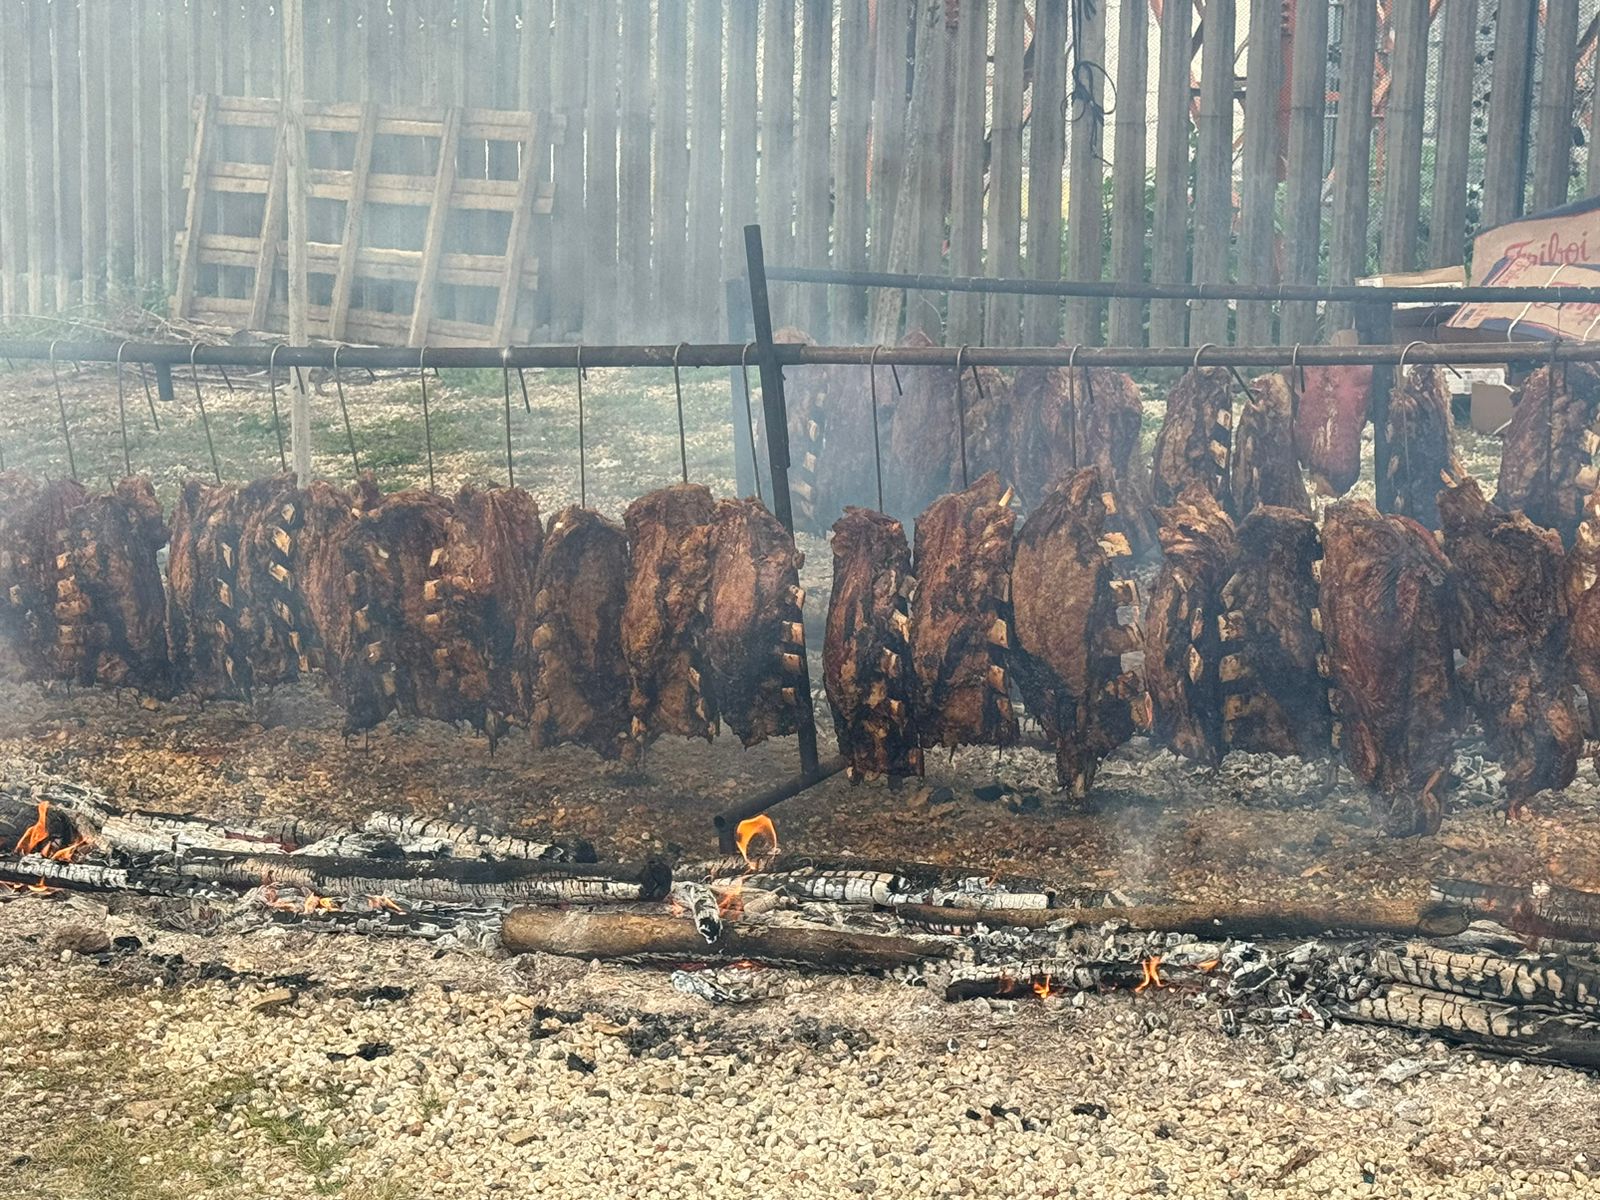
{"x": 1265, "y": 469}
{"x": 1547, "y": 456}
{"x": 1195, "y": 443}
{"x": 1541, "y": 910}
{"x": 1553, "y": 981}
{"x": 1541, "y": 1036}
{"x": 1330, "y": 413}
{"x": 1422, "y": 455}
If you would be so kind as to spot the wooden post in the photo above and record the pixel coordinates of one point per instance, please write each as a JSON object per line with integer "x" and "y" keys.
{"x": 812, "y": 205}
{"x": 444, "y": 186}
{"x": 1170, "y": 246}
{"x": 739, "y": 154}
{"x": 1086, "y": 199}
{"x": 1213, "y": 171}
{"x": 1352, "y": 153}
{"x": 635, "y": 298}
{"x": 294, "y": 132}
{"x": 1128, "y": 170}
{"x": 91, "y": 152}
{"x": 13, "y": 195}
{"x": 567, "y": 74}
{"x": 40, "y": 158}
{"x": 1552, "y": 165}
{"x": 355, "y": 221}
{"x": 1041, "y": 315}
{"x": 850, "y": 166}
{"x": 151, "y": 215}
{"x": 1402, "y": 135}
{"x": 65, "y": 102}
{"x": 600, "y": 186}
{"x": 1503, "y": 184}
{"x": 964, "y": 322}
{"x": 1308, "y": 107}
{"x": 776, "y": 191}
{"x": 1005, "y": 170}
{"x": 705, "y": 173}
{"x": 672, "y": 157}
{"x": 1263, "y": 162}
{"x": 892, "y": 20}
{"x": 1447, "y": 220}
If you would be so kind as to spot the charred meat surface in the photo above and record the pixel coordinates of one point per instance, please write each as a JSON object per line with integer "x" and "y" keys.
{"x": 1182, "y": 640}
{"x": 1510, "y": 623}
{"x": 1547, "y": 456}
{"x": 580, "y": 679}
{"x": 664, "y": 624}
{"x": 1195, "y": 441}
{"x": 17, "y": 491}
{"x": 755, "y": 640}
{"x": 867, "y": 669}
{"x": 34, "y": 520}
{"x": 963, "y": 566}
{"x": 1066, "y": 641}
{"x": 206, "y": 637}
{"x": 1330, "y": 413}
{"x": 327, "y": 515}
{"x": 262, "y": 526}
{"x": 923, "y": 449}
{"x": 1386, "y": 604}
{"x": 1421, "y": 444}
{"x": 1274, "y": 697}
{"x": 1265, "y": 469}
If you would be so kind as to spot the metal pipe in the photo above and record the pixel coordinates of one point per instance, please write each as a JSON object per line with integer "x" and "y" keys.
{"x": 727, "y": 822}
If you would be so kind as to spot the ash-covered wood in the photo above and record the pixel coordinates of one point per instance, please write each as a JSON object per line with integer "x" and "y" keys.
{"x": 663, "y": 623}
{"x": 1265, "y": 468}
{"x": 755, "y": 637}
{"x": 1330, "y": 412}
{"x": 1554, "y": 981}
{"x": 41, "y": 600}
{"x": 472, "y": 841}
{"x": 1540, "y": 1035}
{"x": 1370, "y": 917}
{"x": 1547, "y": 453}
{"x": 1541, "y": 910}
{"x": 866, "y": 654}
{"x": 1195, "y": 443}
{"x": 580, "y": 677}
{"x": 1183, "y": 647}
{"x": 963, "y": 566}
{"x": 1067, "y": 639}
{"x": 1422, "y": 453}
{"x": 1274, "y": 697}
{"x": 1386, "y": 615}
{"x": 1510, "y": 623}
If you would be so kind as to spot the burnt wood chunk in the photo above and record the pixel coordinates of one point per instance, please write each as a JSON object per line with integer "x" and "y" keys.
{"x": 580, "y": 680}
{"x": 663, "y": 624}
{"x": 1274, "y": 698}
{"x": 755, "y": 639}
{"x": 1547, "y": 468}
{"x": 1330, "y": 413}
{"x": 1183, "y": 646}
{"x": 1195, "y": 441}
{"x": 867, "y": 668}
{"x": 1422, "y": 454}
{"x": 963, "y": 566}
{"x": 1510, "y": 623}
{"x": 1068, "y": 642}
{"x": 1265, "y": 469}
{"x": 1386, "y": 616}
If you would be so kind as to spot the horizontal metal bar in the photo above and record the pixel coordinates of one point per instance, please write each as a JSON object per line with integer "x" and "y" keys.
{"x": 726, "y": 823}
{"x": 379, "y": 357}
{"x": 1343, "y": 293}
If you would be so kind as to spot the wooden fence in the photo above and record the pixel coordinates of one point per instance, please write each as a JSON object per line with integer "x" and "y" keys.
{"x": 1168, "y": 140}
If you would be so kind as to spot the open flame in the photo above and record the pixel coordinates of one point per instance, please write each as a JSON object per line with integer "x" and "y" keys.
{"x": 730, "y": 903}
{"x": 37, "y": 835}
{"x": 384, "y": 904}
{"x": 318, "y": 904}
{"x": 749, "y": 830}
{"x": 1152, "y": 975}
{"x": 1043, "y": 990}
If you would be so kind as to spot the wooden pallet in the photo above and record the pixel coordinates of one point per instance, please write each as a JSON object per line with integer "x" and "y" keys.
{"x": 420, "y": 293}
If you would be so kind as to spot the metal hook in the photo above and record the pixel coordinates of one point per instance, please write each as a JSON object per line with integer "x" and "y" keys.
{"x": 877, "y": 453}
{"x": 61, "y": 405}
{"x": 1072, "y": 404}
{"x": 961, "y": 417}
{"x": 505, "y": 372}
{"x": 677, "y": 387}
{"x": 522, "y": 382}
{"x": 1195, "y": 366}
{"x": 1400, "y": 368}
{"x": 1299, "y": 371}
{"x": 272, "y": 393}
{"x": 427, "y": 419}
{"x": 344, "y": 411}
{"x": 583, "y": 482}
{"x": 749, "y": 416}
{"x": 149, "y": 397}
{"x": 122, "y": 414}
{"x": 205, "y": 420}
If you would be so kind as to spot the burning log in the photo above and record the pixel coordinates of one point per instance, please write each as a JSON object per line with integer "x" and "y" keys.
{"x": 580, "y": 679}
{"x": 1541, "y": 1036}
{"x": 1274, "y": 698}
{"x": 963, "y": 564}
{"x": 1552, "y": 982}
{"x": 866, "y": 657}
{"x": 471, "y": 841}
{"x": 1547, "y": 465}
{"x": 1422, "y": 455}
{"x": 1194, "y": 445}
{"x": 755, "y": 640}
{"x": 1330, "y": 412}
{"x": 1040, "y": 977}
{"x": 1183, "y": 644}
{"x": 1386, "y": 617}
{"x": 663, "y": 622}
{"x": 1265, "y": 469}
{"x": 1067, "y": 659}
{"x": 1541, "y": 910}
{"x": 1509, "y": 621}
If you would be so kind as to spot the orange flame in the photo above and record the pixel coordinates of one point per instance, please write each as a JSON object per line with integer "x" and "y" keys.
{"x": 751, "y": 829}
{"x": 1211, "y": 964}
{"x": 37, "y": 834}
{"x": 1152, "y": 975}
{"x": 384, "y": 904}
{"x": 1043, "y": 990}
{"x": 730, "y": 903}
{"x": 315, "y": 904}
{"x": 66, "y": 852}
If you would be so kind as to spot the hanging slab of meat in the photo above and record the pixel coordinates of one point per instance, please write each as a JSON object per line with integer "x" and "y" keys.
{"x": 1422, "y": 455}
{"x": 923, "y": 455}
{"x": 1196, "y": 437}
{"x": 1182, "y": 638}
{"x": 1274, "y": 697}
{"x": 580, "y": 679}
{"x": 266, "y": 514}
{"x": 328, "y": 513}
{"x": 1330, "y": 413}
{"x": 1583, "y": 600}
{"x": 1386, "y": 617}
{"x": 1067, "y": 640}
{"x": 867, "y": 668}
{"x": 755, "y": 639}
{"x": 1547, "y": 466}
{"x": 1265, "y": 469}
{"x": 27, "y": 583}
{"x": 1063, "y": 420}
{"x": 963, "y": 566}
{"x": 1510, "y": 622}
{"x": 664, "y": 624}
{"x": 1582, "y": 569}
{"x": 204, "y": 630}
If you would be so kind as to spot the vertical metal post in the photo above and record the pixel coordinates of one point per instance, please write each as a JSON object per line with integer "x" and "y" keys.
{"x": 164, "y": 383}
{"x": 775, "y": 410}
{"x": 744, "y": 447}
{"x": 1375, "y": 326}
{"x": 294, "y": 119}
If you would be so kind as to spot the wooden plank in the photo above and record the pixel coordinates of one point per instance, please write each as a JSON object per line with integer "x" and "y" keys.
{"x": 174, "y": 109}
{"x": 1402, "y": 135}
{"x": 672, "y": 158}
{"x": 1453, "y": 137}
{"x": 1128, "y": 220}
{"x": 116, "y": 207}
{"x": 1213, "y": 171}
{"x": 1503, "y": 184}
{"x": 355, "y": 215}
{"x": 1169, "y": 248}
{"x": 183, "y": 292}
{"x": 600, "y": 188}
{"x": 371, "y": 262}
{"x": 568, "y": 71}
{"x": 1552, "y": 159}
{"x": 891, "y": 22}
{"x": 775, "y": 191}
{"x": 1352, "y": 154}
{"x": 298, "y": 320}
{"x": 1005, "y": 170}
{"x": 934, "y": 208}
{"x": 533, "y": 95}
{"x": 964, "y": 321}
{"x": 433, "y": 239}
{"x": 635, "y": 297}
{"x": 152, "y": 206}
{"x": 68, "y": 121}
{"x": 1263, "y": 160}
{"x": 40, "y": 161}
{"x": 739, "y": 157}
{"x": 91, "y": 152}
{"x": 851, "y": 165}
{"x": 1086, "y": 196}
{"x": 705, "y": 175}
{"x": 274, "y": 230}
{"x": 13, "y": 193}
{"x": 1302, "y": 222}
{"x": 519, "y": 239}
{"x": 1049, "y": 102}
{"x": 812, "y": 194}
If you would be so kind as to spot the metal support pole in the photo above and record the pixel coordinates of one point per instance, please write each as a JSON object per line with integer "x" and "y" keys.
{"x": 164, "y": 383}
{"x": 744, "y": 447}
{"x": 294, "y": 118}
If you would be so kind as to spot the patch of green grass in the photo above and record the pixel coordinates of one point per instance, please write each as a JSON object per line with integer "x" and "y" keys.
{"x": 303, "y": 1140}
